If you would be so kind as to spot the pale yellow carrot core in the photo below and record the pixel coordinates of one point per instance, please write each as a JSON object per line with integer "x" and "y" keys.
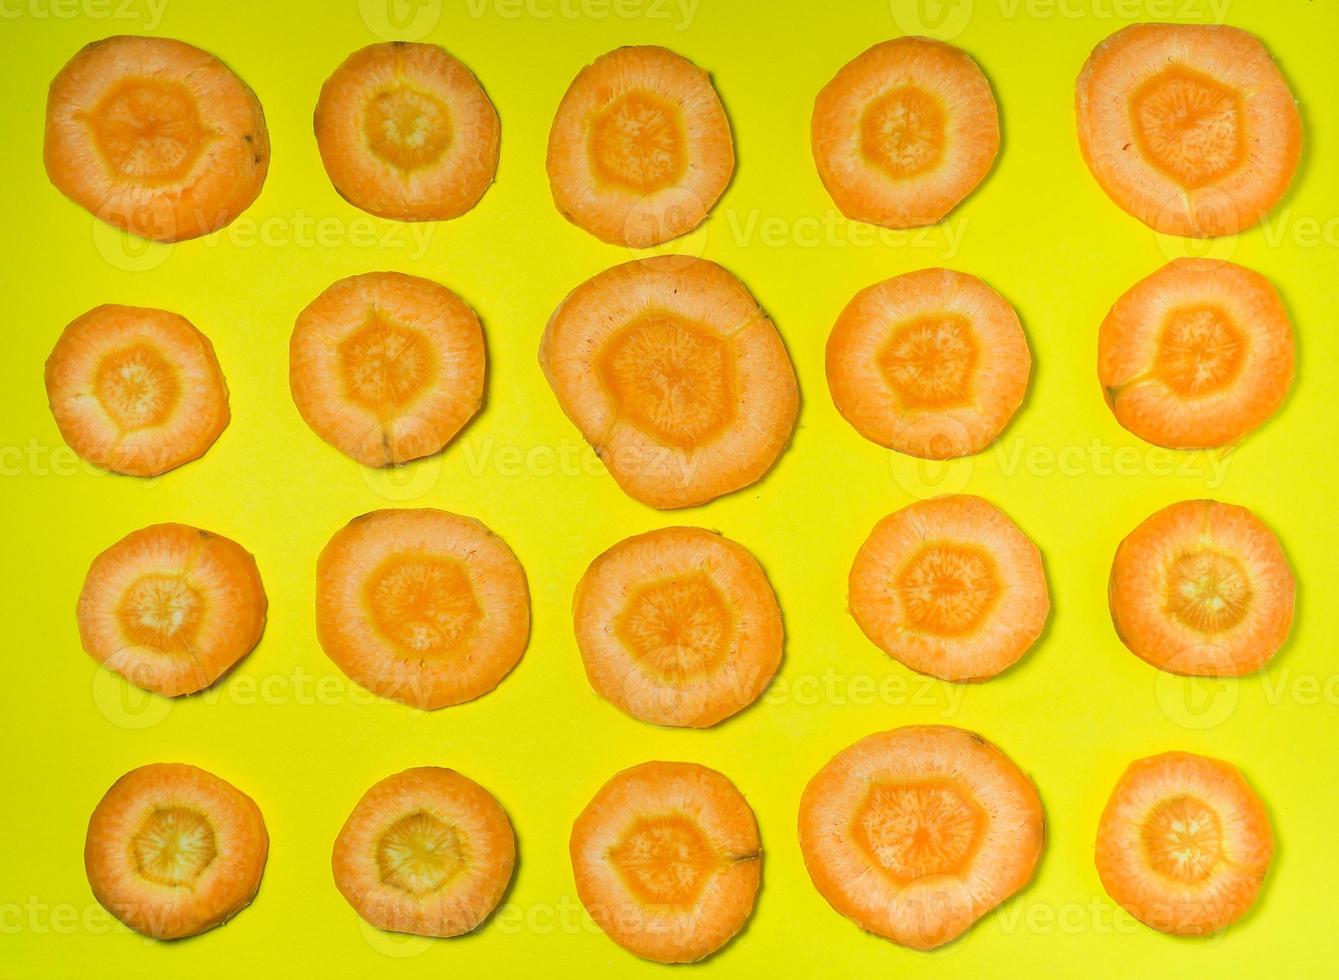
{"x": 1183, "y": 839}
{"x": 136, "y": 386}
{"x": 1188, "y": 126}
{"x": 902, "y": 131}
{"x": 420, "y": 853}
{"x": 920, "y": 828}
{"x": 173, "y": 846}
{"x": 406, "y": 127}
{"x": 1208, "y": 590}
{"x": 163, "y": 612}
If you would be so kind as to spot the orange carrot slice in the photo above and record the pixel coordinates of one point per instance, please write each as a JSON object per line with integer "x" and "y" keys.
{"x": 667, "y": 860}
{"x": 904, "y": 132}
{"x": 1184, "y": 843}
{"x": 387, "y": 367}
{"x": 173, "y": 851}
{"x": 155, "y": 137}
{"x": 675, "y": 376}
{"x": 950, "y": 587}
{"x": 932, "y": 363}
{"x": 136, "y": 391}
{"x": 640, "y": 149}
{"x": 425, "y": 851}
{"x": 678, "y": 627}
{"x": 1204, "y": 589}
{"x": 171, "y": 608}
{"x": 421, "y": 606}
{"x": 406, "y": 131}
{"x": 1190, "y": 128}
{"x": 915, "y": 833}
{"x": 1196, "y": 355}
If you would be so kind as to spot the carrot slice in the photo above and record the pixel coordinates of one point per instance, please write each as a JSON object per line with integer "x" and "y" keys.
{"x": 950, "y": 587}
{"x": 425, "y": 851}
{"x": 1196, "y": 355}
{"x": 1190, "y": 128}
{"x": 678, "y": 627}
{"x": 904, "y": 132}
{"x": 155, "y": 137}
{"x": 915, "y": 833}
{"x": 1184, "y": 843}
{"x": 173, "y": 851}
{"x": 136, "y": 391}
{"x": 421, "y": 606}
{"x": 667, "y": 860}
{"x": 171, "y": 608}
{"x": 406, "y": 131}
{"x": 932, "y": 363}
{"x": 1204, "y": 589}
{"x": 640, "y": 149}
{"x": 387, "y": 367}
{"x": 676, "y": 377}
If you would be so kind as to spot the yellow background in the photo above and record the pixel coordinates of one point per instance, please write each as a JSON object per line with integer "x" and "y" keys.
{"x": 287, "y": 728}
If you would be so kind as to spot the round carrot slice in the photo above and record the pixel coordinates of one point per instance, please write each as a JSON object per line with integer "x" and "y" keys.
{"x": 667, "y": 860}
{"x": 1190, "y": 128}
{"x": 1204, "y": 589}
{"x": 916, "y": 833}
{"x": 932, "y": 363}
{"x": 678, "y": 627}
{"x": 387, "y": 367}
{"x": 1184, "y": 843}
{"x": 406, "y": 131}
{"x": 640, "y": 149}
{"x": 904, "y": 132}
{"x": 173, "y": 851}
{"x": 155, "y": 137}
{"x": 425, "y": 851}
{"x": 136, "y": 391}
{"x": 421, "y": 606}
{"x": 171, "y": 608}
{"x": 675, "y": 376}
{"x": 1196, "y": 355}
{"x": 950, "y": 587}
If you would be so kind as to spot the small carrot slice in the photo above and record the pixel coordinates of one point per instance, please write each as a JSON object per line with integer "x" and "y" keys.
{"x": 171, "y": 608}
{"x": 678, "y": 627}
{"x": 915, "y": 833}
{"x": 136, "y": 391}
{"x": 667, "y": 860}
{"x": 640, "y": 149}
{"x": 1190, "y": 128}
{"x": 421, "y": 606}
{"x": 932, "y": 363}
{"x": 155, "y": 137}
{"x": 1204, "y": 589}
{"x": 1196, "y": 355}
{"x": 676, "y": 377}
{"x": 950, "y": 587}
{"x": 173, "y": 851}
{"x": 426, "y": 852}
{"x": 1184, "y": 843}
{"x": 387, "y": 367}
{"x": 904, "y": 132}
{"x": 407, "y": 132}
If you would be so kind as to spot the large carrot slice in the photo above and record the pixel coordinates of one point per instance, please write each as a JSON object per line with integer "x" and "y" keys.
{"x": 904, "y": 132}
{"x": 932, "y": 363}
{"x": 406, "y": 131}
{"x": 421, "y": 606}
{"x": 155, "y": 137}
{"x": 387, "y": 367}
{"x": 1196, "y": 355}
{"x": 1184, "y": 843}
{"x": 173, "y": 850}
{"x": 950, "y": 587}
{"x": 425, "y": 851}
{"x": 667, "y": 860}
{"x": 916, "y": 833}
{"x": 171, "y": 608}
{"x": 675, "y": 376}
{"x": 1190, "y": 128}
{"x": 640, "y": 147}
{"x": 1202, "y": 588}
{"x": 136, "y": 391}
